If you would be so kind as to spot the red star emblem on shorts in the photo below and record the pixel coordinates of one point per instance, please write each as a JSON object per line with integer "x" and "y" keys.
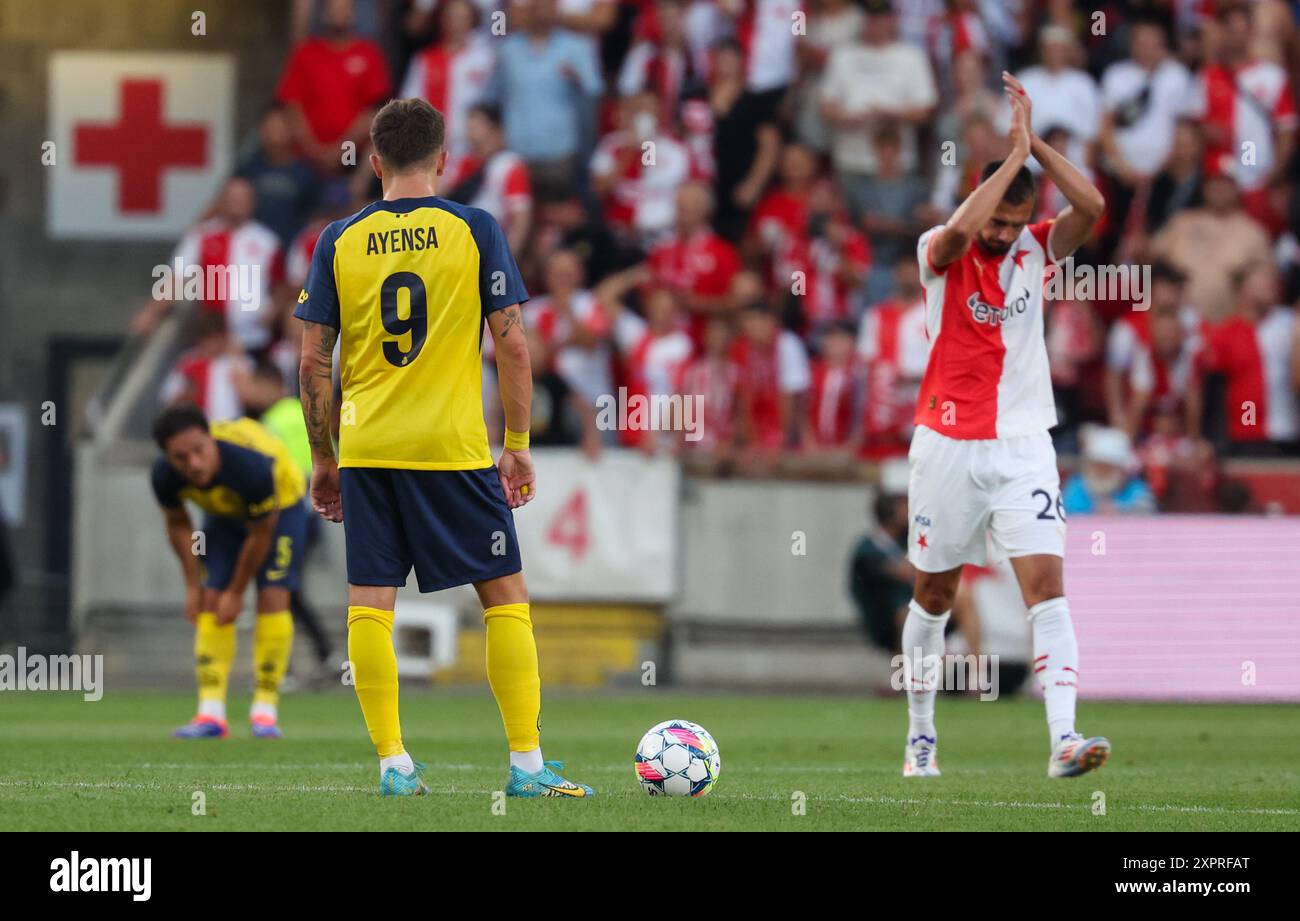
{"x": 921, "y": 541}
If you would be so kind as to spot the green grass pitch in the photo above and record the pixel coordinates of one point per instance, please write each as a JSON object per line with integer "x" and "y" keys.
{"x": 66, "y": 764}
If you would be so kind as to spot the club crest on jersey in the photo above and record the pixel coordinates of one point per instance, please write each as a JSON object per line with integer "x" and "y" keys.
{"x": 984, "y": 312}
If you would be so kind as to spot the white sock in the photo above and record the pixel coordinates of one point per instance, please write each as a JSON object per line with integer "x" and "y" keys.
{"x": 262, "y": 711}
{"x": 402, "y": 762}
{"x": 922, "y": 642}
{"x": 1056, "y": 663}
{"x": 530, "y": 762}
{"x": 213, "y": 709}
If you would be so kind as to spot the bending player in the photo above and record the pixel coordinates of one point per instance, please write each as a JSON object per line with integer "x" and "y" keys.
{"x": 982, "y": 462}
{"x": 254, "y": 526}
{"x": 406, "y": 284}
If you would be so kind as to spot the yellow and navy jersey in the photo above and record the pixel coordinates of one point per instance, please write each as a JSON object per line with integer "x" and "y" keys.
{"x": 408, "y": 284}
{"x": 257, "y": 475}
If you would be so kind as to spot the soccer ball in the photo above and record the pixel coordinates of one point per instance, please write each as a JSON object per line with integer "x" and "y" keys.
{"x": 677, "y": 758}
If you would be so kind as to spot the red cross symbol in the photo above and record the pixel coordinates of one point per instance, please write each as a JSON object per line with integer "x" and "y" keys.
{"x": 140, "y": 146}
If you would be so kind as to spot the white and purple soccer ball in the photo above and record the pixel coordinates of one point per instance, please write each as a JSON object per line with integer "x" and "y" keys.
{"x": 677, "y": 758}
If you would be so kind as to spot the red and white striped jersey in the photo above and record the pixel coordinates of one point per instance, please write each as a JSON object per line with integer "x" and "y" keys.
{"x": 716, "y": 381}
{"x": 836, "y": 399}
{"x": 506, "y": 191}
{"x": 1132, "y": 332}
{"x": 452, "y": 81}
{"x": 249, "y": 248}
{"x": 208, "y": 381}
{"x": 893, "y": 345}
{"x": 766, "y": 33}
{"x": 987, "y": 375}
{"x": 587, "y": 369}
{"x": 664, "y": 71}
{"x": 1248, "y": 105}
{"x": 644, "y": 196}
{"x": 1255, "y": 359}
{"x": 767, "y": 373}
{"x": 827, "y": 296}
{"x": 298, "y": 262}
{"x": 1167, "y": 380}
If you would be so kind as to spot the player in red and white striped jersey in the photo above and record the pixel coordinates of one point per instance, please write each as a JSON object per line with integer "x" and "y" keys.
{"x": 982, "y": 462}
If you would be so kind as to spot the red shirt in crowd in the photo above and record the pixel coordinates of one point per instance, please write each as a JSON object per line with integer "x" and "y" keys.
{"x": 701, "y": 266}
{"x": 333, "y": 84}
{"x": 1254, "y": 358}
{"x": 894, "y": 345}
{"x": 836, "y": 400}
{"x": 766, "y": 374}
{"x": 716, "y": 381}
{"x": 826, "y": 295}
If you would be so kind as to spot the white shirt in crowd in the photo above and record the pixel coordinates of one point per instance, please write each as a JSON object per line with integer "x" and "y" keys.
{"x": 888, "y": 78}
{"x": 1062, "y": 99}
{"x": 1145, "y": 143}
{"x": 768, "y": 36}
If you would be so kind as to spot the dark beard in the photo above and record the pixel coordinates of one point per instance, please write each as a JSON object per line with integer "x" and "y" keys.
{"x": 995, "y": 251}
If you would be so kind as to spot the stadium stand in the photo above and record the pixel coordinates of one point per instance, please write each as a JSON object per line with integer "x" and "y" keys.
{"x": 703, "y": 205}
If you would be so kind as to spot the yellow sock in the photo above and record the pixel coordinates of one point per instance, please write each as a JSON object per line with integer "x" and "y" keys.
{"x": 272, "y": 644}
{"x": 512, "y": 672}
{"x": 374, "y": 673}
{"x": 214, "y": 654}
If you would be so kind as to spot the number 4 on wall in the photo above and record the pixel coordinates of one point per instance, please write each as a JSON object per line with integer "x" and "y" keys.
{"x": 569, "y": 528}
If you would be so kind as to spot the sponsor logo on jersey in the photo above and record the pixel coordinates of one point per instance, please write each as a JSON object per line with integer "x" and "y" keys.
{"x": 984, "y": 312}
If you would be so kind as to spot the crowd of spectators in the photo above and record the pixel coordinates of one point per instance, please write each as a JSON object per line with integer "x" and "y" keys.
{"x": 721, "y": 198}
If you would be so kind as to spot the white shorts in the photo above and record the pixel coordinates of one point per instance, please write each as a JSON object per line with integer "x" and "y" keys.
{"x": 965, "y": 494}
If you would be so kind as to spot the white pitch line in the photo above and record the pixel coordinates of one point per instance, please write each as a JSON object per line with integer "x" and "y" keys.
{"x": 863, "y": 800}
{"x": 1018, "y": 804}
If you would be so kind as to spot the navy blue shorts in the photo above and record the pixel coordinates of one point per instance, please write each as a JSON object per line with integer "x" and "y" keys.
{"x": 453, "y": 526}
{"x": 283, "y": 567}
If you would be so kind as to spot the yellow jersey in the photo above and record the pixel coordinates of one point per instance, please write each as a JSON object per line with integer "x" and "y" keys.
{"x": 408, "y": 284}
{"x": 257, "y": 475}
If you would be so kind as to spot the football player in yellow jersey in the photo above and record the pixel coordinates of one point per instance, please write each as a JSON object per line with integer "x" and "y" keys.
{"x": 405, "y": 285}
{"x": 254, "y": 526}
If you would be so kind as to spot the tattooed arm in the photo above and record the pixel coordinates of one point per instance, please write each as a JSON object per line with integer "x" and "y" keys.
{"x": 515, "y": 376}
{"x": 316, "y": 385}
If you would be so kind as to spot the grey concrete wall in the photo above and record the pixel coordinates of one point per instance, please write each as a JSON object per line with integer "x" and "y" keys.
{"x": 739, "y": 568}
{"x": 771, "y": 553}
